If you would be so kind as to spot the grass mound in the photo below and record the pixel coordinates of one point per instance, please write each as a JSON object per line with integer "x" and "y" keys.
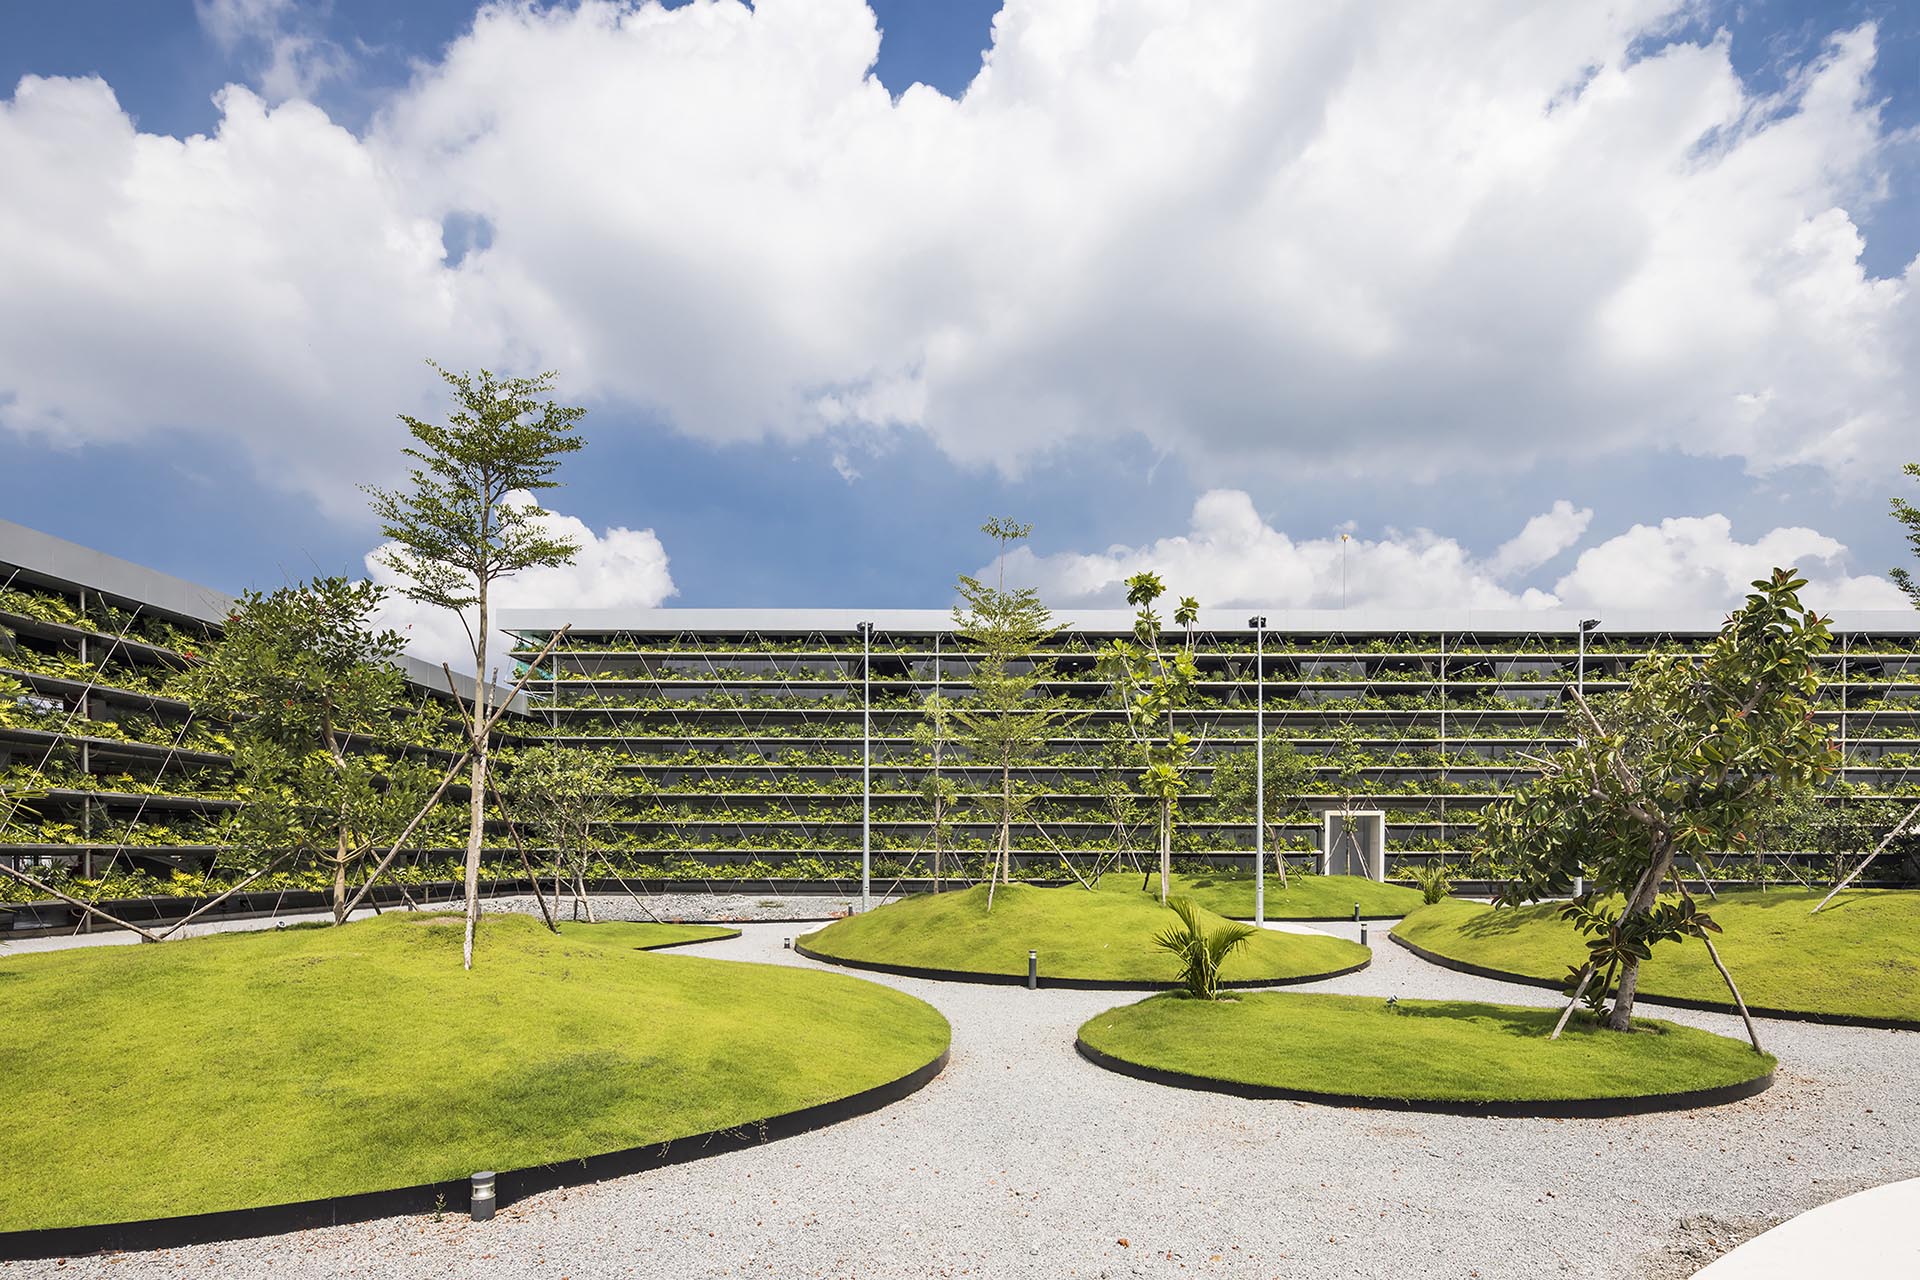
{"x": 1230, "y": 893}
{"x": 640, "y": 935}
{"x": 1859, "y": 958}
{"x": 1101, "y": 936}
{"x": 1432, "y": 1051}
{"x": 248, "y": 1069}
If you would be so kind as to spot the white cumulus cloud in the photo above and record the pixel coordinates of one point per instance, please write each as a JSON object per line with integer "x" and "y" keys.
{"x": 1230, "y": 555}
{"x": 1696, "y": 562}
{"x": 616, "y": 568}
{"x": 293, "y": 58}
{"x": 1439, "y": 237}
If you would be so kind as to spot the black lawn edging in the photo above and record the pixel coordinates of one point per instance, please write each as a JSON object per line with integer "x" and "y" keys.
{"x": 1346, "y": 919}
{"x": 452, "y": 1196}
{"x": 49, "y": 917}
{"x": 684, "y": 942}
{"x": 1056, "y": 984}
{"x": 1545, "y": 1108}
{"x": 1672, "y": 1002}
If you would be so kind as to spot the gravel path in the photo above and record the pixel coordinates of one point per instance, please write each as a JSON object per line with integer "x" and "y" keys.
{"x": 702, "y": 908}
{"x": 1023, "y": 1160}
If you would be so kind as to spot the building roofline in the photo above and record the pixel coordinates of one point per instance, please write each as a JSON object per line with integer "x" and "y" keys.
{"x": 1117, "y": 621}
{"x": 42, "y": 559}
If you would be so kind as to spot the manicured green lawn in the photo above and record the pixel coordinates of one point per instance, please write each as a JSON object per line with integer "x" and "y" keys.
{"x": 1432, "y": 1050}
{"x": 642, "y": 935}
{"x": 1860, "y": 957}
{"x": 1230, "y": 893}
{"x": 261, "y": 1068}
{"x": 1106, "y": 935}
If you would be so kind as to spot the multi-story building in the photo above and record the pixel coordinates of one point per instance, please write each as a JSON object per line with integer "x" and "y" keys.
{"x": 791, "y": 737}
{"x": 785, "y": 743}
{"x": 102, "y": 765}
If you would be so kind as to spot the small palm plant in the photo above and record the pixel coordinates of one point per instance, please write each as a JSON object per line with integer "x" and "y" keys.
{"x": 1433, "y": 879}
{"x": 1200, "y": 953}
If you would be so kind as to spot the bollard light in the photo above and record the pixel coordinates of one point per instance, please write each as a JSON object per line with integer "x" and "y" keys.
{"x": 786, "y": 944}
{"x": 1363, "y": 935}
{"x": 1033, "y": 970}
{"x": 482, "y": 1201}
{"x": 1356, "y": 913}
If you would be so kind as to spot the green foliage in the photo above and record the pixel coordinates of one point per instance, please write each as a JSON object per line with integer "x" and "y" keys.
{"x": 299, "y": 671}
{"x": 468, "y": 519}
{"x": 1687, "y": 761}
{"x": 302, "y": 665}
{"x": 1908, "y": 515}
{"x": 1200, "y": 951}
{"x": 459, "y": 526}
{"x": 561, "y": 796}
{"x": 1289, "y": 774}
{"x": 1433, "y": 879}
{"x": 1859, "y": 958}
{"x": 1153, "y": 681}
{"x": 941, "y": 793}
{"x": 1614, "y": 938}
{"x": 1010, "y": 717}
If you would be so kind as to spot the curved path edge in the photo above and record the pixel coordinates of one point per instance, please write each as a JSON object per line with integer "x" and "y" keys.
{"x": 1346, "y": 919}
{"x": 1056, "y": 984}
{"x": 1545, "y": 1108}
{"x": 453, "y": 1195}
{"x": 1643, "y": 996}
{"x": 692, "y": 942}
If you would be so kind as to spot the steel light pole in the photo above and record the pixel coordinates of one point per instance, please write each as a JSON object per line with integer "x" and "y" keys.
{"x": 866, "y": 765}
{"x": 1580, "y": 669}
{"x": 1259, "y": 625}
{"x": 1580, "y": 683}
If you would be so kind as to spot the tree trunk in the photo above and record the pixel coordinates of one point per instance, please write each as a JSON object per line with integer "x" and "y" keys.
{"x": 939, "y": 827}
{"x": 580, "y": 899}
{"x": 1644, "y": 895}
{"x": 340, "y": 880}
{"x": 1006, "y": 823}
{"x": 340, "y": 816}
{"x": 1166, "y": 847}
{"x": 477, "y": 802}
{"x": 1279, "y": 855}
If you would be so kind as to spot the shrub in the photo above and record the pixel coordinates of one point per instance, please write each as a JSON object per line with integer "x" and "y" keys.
{"x": 1200, "y": 953}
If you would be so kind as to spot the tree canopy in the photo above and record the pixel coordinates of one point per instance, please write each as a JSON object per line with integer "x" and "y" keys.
{"x": 1689, "y": 761}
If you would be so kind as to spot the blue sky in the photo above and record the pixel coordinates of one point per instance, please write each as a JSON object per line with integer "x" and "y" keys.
{"x": 1636, "y": 375}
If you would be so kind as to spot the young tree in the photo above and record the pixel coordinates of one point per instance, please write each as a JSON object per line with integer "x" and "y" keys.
{"x": 1909, "y": 515}
{"x": 467, "y": 520}
{"x": 930, "y": 738}
{"x": 1114, "y": 785}
{"x": 1010, "y": 717}
{"x": 1287, "y": 775}
{"x": 1686, "y": 762}
{"x": 1348, "y": 755}
{"x": 300, "y": 672}
{"x": 562, "y": 795}
{"x": 1154, "y": 681}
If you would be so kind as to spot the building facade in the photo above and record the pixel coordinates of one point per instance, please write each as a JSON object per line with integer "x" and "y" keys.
{"x": 789, "y": 739}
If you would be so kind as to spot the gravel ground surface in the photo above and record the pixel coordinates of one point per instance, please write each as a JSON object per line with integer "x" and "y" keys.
{"x": 699, "y": 908}
{"x": 1023, "y": 1160}
{"x": 723, "y": 908}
